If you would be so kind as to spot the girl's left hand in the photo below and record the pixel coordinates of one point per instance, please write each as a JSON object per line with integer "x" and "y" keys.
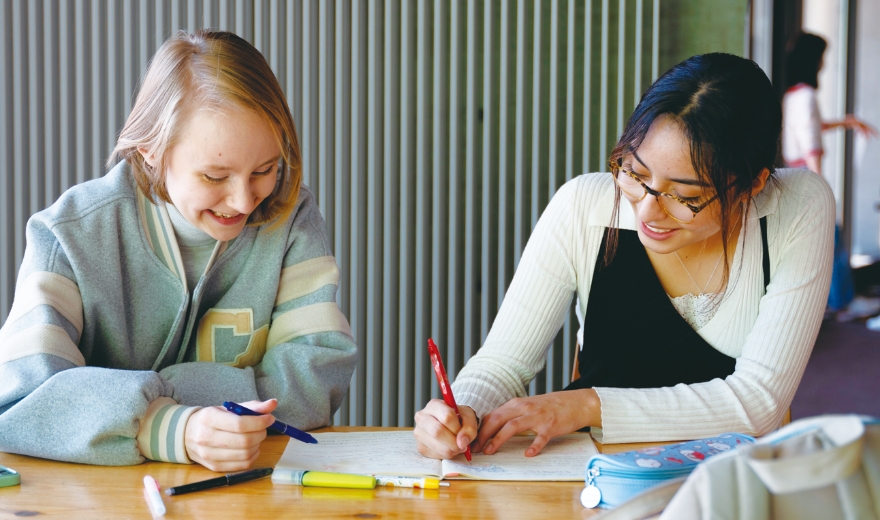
{"x": 222, "y": 441}
{"x": 548, "y": 415}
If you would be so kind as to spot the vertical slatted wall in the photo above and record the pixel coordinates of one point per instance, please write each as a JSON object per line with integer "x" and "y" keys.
{"x": 433, "y": 135}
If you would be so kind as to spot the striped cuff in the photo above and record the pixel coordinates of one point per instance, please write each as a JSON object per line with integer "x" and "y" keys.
{"x": 161, "y": 435}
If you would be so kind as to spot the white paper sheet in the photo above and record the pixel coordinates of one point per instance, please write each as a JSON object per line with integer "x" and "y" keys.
{"x": 394, "y": 453}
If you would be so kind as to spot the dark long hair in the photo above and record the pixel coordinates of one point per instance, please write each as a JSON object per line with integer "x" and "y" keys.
{"x": 732, "y": 118}
{"x": 803, "y": 60}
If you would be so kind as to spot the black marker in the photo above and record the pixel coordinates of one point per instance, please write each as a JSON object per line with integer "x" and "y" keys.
{"x": 226, "y": 480}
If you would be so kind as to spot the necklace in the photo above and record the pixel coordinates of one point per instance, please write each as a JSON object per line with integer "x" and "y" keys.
{"x": 703, "y": 290}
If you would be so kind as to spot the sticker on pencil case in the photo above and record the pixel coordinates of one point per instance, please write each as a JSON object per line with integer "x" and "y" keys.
{"x": 681, "y": 454}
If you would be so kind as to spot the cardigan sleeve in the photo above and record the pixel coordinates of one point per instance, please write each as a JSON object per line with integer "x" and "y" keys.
{"x": 536, "y": 302}
{"x": 754, "y": 398}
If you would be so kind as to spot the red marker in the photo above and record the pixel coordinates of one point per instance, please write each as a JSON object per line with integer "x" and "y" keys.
{"x": 445, "y": 389}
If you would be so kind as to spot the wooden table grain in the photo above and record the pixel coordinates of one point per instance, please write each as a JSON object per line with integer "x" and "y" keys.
{"x": 59, "y": 489}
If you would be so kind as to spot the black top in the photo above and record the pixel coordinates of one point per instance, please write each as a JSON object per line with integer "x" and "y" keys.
{"x": 633, "y": 335}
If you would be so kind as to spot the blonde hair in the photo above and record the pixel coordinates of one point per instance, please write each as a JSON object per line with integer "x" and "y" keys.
{"x": 214, "y": 70}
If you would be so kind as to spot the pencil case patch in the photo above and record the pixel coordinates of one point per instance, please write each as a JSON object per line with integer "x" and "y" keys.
{"x": 612, "y": 479}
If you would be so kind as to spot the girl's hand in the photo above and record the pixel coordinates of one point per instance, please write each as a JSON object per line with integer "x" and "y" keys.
{"x": 439, "y": 435}
{"x": 859, "y": 126}
{"x": 548, "y": 415}
{"x": 222, "y": 441}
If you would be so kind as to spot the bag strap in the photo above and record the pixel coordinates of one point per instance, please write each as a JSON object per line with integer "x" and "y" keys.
{"x": 765, "y": 261}
{"x": 647, "y": 504}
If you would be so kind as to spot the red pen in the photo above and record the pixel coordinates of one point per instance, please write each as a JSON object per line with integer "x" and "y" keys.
{"x": 445, "y": 389}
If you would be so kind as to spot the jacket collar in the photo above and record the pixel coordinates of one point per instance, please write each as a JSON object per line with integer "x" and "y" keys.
{"x": 156, "y": 223}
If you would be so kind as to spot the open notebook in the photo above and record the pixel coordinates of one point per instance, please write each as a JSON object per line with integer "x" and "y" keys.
{"x": 394, "y": 453}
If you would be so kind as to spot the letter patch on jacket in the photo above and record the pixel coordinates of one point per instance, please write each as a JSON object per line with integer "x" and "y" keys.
{"x": 228, "y": 336}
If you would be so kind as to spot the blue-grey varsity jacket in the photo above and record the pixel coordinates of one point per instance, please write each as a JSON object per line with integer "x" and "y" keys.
{"x": 104, "y": 333}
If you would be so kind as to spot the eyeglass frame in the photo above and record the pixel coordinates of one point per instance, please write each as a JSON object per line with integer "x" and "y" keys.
{"x": 615, "y": 167}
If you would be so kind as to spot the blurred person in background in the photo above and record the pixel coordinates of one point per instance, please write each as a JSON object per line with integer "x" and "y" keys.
{"x": 802, "y": 148}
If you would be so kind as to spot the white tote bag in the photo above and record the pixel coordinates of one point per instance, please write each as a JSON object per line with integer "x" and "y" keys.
{"x": 825, "y": 467}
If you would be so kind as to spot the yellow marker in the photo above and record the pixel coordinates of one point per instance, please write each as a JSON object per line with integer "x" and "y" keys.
{"x": 412, "y": 482}
{"x": 323, "y": 479}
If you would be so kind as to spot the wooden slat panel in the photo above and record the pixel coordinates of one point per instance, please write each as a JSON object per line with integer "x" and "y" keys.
{"x": 392, "y": 385}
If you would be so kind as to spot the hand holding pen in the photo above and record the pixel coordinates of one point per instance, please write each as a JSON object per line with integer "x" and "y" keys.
{"x": 225, "y": 442}
{"x": 277, "y": 426}
{"x": 445, "y": 388}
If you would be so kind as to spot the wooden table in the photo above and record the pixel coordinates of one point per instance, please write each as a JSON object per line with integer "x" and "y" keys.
{"x": 60, "y": 489}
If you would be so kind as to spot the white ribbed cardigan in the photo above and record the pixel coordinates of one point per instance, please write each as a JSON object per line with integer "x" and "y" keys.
{"x": 771, "y": 334}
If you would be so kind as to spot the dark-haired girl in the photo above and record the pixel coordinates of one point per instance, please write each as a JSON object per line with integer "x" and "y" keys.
{"x": 700, "y": 272}
{"x": 802, "y": 139}
{"x": 802, "y": 148}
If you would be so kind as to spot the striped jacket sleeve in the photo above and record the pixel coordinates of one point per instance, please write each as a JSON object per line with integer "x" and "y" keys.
{"x": 310, "y": 353}
{"x": 51, "y": 404}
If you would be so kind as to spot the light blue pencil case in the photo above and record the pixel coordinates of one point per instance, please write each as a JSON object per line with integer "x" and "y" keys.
{"x": 615, "y": 478}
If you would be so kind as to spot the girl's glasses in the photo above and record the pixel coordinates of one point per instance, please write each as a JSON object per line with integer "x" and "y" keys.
{"x": 634, "y": 189}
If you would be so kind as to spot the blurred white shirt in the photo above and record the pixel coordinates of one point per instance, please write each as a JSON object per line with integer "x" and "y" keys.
{"x": 802, "y": 125}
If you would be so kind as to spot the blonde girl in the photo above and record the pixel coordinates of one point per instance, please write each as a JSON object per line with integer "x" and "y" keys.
{"x": 196, "y": 271}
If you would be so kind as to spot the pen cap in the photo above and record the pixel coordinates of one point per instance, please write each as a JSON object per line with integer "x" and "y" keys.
{"x": 9, "y": 477}
{"x": 432, "y": 483}
{"x": 288, "y": 476}
{"x": 153, "y": 497}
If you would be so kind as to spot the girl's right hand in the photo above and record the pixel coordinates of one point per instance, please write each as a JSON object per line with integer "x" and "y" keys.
{"x": 222, "y": 441}
{"x": 439, "y": 434}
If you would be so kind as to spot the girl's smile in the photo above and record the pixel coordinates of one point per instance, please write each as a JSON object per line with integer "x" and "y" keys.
{"x": 657, "y": 233}
{"x": 227, "y": 220}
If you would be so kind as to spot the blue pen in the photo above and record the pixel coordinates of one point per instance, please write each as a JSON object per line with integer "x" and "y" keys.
{"x": 278, "y": 426}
